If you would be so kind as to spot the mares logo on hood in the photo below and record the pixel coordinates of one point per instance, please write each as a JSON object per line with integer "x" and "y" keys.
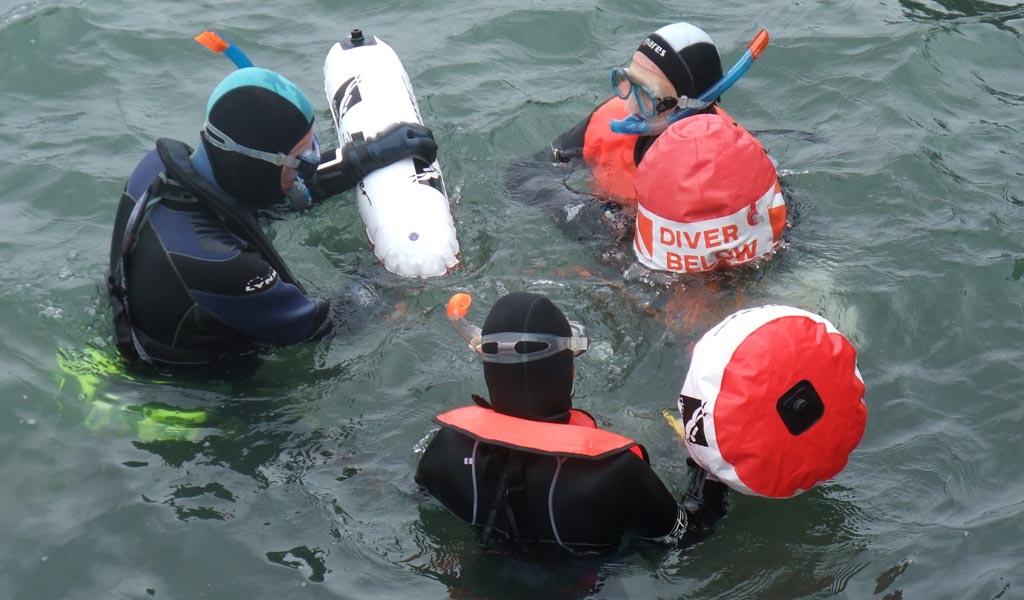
{"x": 686, "y": 55}
{"x": 655, "y": 46}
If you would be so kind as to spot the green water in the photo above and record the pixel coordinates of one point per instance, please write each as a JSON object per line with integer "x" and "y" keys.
{"x": 901, "y": 130}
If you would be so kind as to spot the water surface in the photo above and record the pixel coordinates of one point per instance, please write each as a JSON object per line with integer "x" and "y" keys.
{"x": 899, "y": 127}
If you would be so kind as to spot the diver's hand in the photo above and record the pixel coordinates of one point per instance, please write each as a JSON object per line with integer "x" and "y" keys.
{"x": 397, "y": 142}
{"x": 342, "y": 168}
{"x": 333, "y": 176}
{"x": 705, "y": 499}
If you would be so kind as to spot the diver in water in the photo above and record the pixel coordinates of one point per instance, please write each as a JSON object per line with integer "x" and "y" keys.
{"x": 670, "y": 168}
{"x": 527, "y": 468}
{"x": 193, "y": 278}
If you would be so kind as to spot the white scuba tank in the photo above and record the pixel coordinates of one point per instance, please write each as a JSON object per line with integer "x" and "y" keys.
{"x": 404, "y": 206}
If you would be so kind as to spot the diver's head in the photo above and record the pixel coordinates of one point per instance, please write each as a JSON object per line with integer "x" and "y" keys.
{"x": 259, "y": 136}
{"x": 537, "y": 389}
{"x": 672, "y": 67}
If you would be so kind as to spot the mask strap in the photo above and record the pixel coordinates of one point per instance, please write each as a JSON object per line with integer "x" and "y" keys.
{"x": 211, "y": 134}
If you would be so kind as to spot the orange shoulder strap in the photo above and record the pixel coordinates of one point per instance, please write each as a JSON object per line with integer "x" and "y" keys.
{"x": 556, "y": 439}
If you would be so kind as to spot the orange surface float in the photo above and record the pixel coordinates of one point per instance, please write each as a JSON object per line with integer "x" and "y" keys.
{"x": 708, "y": 197}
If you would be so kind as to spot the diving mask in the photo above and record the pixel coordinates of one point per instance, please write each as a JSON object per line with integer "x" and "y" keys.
{"x": 638, "y": 125}
{"x": 305, "y": 164}
{"x": 512, "y": 347}
{"x": 647, "y": 100}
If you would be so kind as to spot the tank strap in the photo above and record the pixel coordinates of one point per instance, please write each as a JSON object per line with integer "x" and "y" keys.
{"x": 510, "y": 498}
{"x": 516, "y": 510}
{"x": 118, "y": 280}
{"x": 500, "y": 499}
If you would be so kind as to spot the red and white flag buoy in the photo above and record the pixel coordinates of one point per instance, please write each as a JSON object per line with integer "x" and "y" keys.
{"x": 773, "y": 402}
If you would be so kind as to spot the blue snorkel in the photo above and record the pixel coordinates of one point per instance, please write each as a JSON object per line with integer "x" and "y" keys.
{"x": 223, "y": 46}
{"x": 637, "y": 125}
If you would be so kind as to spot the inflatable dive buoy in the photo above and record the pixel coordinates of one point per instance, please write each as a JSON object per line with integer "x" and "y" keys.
{"x": 708, "y": 197}
{"x": 404, "y": 206}
{"x": 773, "y": 402}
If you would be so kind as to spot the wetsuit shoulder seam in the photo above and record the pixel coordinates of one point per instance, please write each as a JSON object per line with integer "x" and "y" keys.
{"x": 204, "y": 259}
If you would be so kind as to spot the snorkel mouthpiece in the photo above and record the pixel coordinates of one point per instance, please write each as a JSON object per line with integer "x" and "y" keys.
{"x": 632, "y": 125}
{"x": 297, "y": 196}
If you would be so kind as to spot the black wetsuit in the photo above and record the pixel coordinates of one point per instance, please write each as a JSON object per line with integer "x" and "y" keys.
{"x": 546, "y": 180}
{"x": 199, "y": 281}
{"x": 578, "y": 504}
{"x": 543, "y": 181}
{"x": 569, "y": 145}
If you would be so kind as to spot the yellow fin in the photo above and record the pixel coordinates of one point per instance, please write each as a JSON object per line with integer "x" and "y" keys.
{"x": 675, "y": 423}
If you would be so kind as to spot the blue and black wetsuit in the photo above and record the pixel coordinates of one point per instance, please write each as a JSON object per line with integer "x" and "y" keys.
{"x": 193, "y": 278}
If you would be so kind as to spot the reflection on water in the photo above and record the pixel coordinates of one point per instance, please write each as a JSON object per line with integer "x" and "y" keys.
{"x": 824, "y": 551}
{"x": 884, "y": 581}
{"x": 949, "y": 10}
{"x": 309, "y": 561}
{"x": 115, "y": 400}
{"x": 450, "y": 553}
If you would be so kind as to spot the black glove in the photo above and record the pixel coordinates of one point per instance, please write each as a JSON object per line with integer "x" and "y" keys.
{"x": 342, "y": 168}
{"x": 401, "y": 140}
{"x": 705, "y": 500}
{"x": 333, "y": 176}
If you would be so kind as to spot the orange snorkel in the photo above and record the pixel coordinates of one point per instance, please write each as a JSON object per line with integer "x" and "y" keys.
{"x": 217, "y": 44}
